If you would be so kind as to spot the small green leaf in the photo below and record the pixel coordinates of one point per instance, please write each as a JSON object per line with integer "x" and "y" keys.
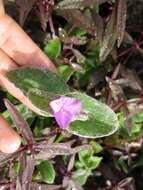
{"x": 16, "y": 167}
{"x": 82, "y": 179}
{"x": 94, "y": 162}
{"x": 122, "y": 165}
{"x": 84, "y": 156}
{"x": 53, "y": 48}
{"x": 47, "y": 171}
{"x": 101, "y": 122}
{"x": 96, "y": 147}
{"x": 88, "y": 160}
{"x": 78, "y": 32}
{"x": 65, "y": 72}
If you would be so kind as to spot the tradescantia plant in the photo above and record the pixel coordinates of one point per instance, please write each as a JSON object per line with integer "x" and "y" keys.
{"x": 74, "y": 111}
{"x": 97, "y": 55}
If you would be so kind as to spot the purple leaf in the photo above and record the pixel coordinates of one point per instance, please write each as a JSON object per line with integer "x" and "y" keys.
{"x": 4, "y": 158}
{"x": 26, "y": 171}
{"x": 65, "y": 109}
{"x": 35, "y": 186}
{"x": 78, "y": 19}
{"x": 48, "y": 151}
{"x": 109, "y": 37}
{"x": 121, "y": 20}
{"x": 21, "y": 124}
{"x": 24, "y": 9}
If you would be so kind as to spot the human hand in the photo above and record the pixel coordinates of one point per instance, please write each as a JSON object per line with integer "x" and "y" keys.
{"x": 16, "y": 49}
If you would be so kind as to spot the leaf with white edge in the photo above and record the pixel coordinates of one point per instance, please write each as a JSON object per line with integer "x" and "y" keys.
{"x": 41, "y": 100}
{"x": 39, "y": 85}
{"x": 101, "y": 120}
{"x": 28, "y": 78}
{"x": 53, "y": 48}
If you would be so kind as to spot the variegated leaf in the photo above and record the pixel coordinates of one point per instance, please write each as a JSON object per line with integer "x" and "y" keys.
{"x": 121, "y": 20}
{"x": 109, "y": 37}
{"x": 76, "y": 4}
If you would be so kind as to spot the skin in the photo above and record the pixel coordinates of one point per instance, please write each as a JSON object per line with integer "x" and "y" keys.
{"x": 16, "y": 50}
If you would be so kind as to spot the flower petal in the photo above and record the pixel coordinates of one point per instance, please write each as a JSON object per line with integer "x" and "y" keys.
{"x": 65, "y": 109}
{"x": 67, "y": 103}
{"x": 56, "y": 105}
{"x": 73, "y": 105}
{"x": 63, "y": 118}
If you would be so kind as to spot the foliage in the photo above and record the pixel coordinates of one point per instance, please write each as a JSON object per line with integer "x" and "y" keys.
{"x": 98, "y": 55}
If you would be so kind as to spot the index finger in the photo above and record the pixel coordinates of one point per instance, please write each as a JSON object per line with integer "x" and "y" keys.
{"x": 18, "y": 45}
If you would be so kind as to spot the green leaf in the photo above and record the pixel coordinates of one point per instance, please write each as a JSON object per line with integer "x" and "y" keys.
{"x": 78, "y": 32}
{"x": 82, "y": 178}
{"x": 88, "y": 160}
{"x": 37, "y": 78}
{"x": 96, "y": 147}
{"x": 16, "y": 168}
{"x": 121, "y": 163}
{"x": 136, "y": 125}
{"x": 101, "y": 122}
{"x": 84, "y": 156}
{"x": 53, "y": 48}
{"x": 94, "y": 162}
{"x": 41, "y": 100}
{"x": 47, "y": 171}
{"x": 39, "y": 85}
{"x": 65, "y": 72}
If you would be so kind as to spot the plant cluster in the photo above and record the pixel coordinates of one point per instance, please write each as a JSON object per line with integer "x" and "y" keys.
{"x": 89, "y": 131}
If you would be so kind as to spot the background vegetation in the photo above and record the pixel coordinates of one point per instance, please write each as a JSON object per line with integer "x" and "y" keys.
{"x": 97, "y": 48}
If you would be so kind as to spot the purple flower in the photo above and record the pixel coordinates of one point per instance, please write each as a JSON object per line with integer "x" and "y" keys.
{"x": 65, "y": 109}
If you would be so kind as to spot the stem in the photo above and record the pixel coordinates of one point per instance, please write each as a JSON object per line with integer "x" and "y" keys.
{"x": 52, "y": 26}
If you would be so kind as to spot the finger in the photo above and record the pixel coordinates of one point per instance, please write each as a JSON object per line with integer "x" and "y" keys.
{"x": 18, "y": 45}
{"x": 2, "y": 12}
{"x": 9, "y": 139}
{"x": 7, "y": 64}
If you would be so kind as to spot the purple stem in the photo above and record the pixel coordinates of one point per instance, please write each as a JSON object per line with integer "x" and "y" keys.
{"x": 52, "y": 26}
